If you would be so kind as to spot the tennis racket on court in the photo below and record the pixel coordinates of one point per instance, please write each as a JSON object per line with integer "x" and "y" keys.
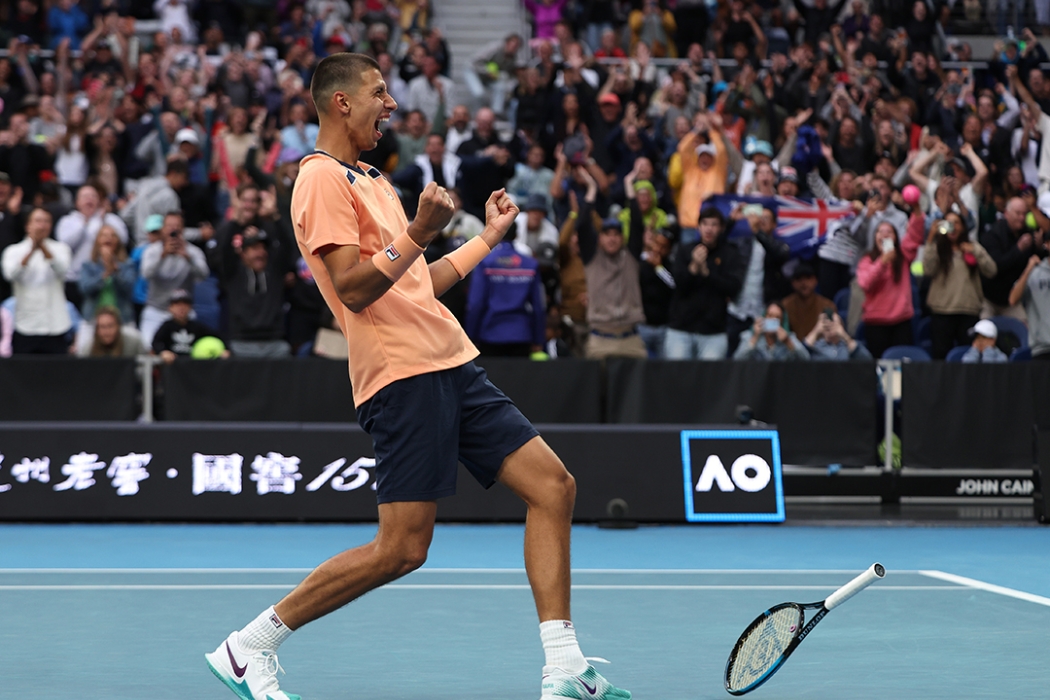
{"x": 768, "y": 641}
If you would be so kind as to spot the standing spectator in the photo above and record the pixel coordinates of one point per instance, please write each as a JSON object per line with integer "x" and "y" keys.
{"x": 254, "y": 279}
{"x": 299, "y": 134}
{"x": 430, "y": 92}
{"x": 110, "y": 338}
{"x": 12, "y": 223}
{"x": 657, "y": 284}
{"x": 532, "y": 177}
{"x": 435, "y": 164}
{"x": 1009, "y": 243}
{"x": 155, "y": 196}
{"x": 36, "y": 268}
{"x": 533, "y": 229}
{"x": 493, "y": 72}
{"x": 983, "y": 348}
{"x": 506, "y": 313}
{"x": 614, "y": 295}
{"x": 175, "y": 15}
{"x": 67, "y": 21}
{"x": 883, "y": 275}
{"x": 170, "y": 263}
{"x": 704, "y": 167}
{"x": 829, "y": 341}
{"x": 459, "y": 129}
{"x": 248, "y": 219}
{"x": 176, "y": 336}
{"x": 1033, "y": 290}
{"x": 955, "y": 267}
{"x": 545, "y": 14}
{"x": 707, "y": 274}
{"x": 763, "y": 256}
{"x": 768, "y": 339}
{"x": 22, "y": 159}
{"x": 412, "y": 140}
{"x": 107, "y": 277}
{"x": 805, "y": 306}
{"x": 78, "y": 230}
{"x": 878, "y": 209}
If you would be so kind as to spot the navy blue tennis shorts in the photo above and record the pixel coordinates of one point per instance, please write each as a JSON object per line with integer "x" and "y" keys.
{"x": 423, "y": 425}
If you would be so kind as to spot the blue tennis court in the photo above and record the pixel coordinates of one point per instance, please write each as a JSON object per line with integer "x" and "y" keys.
{"x": 120, "y": 611}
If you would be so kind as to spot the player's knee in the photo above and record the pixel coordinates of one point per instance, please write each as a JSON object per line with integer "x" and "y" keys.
{"x": 562, "y": 487}
{"x": 409, "y": 557}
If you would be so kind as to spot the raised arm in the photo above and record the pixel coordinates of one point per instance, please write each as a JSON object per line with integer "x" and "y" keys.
{"x": 450, "y": 269}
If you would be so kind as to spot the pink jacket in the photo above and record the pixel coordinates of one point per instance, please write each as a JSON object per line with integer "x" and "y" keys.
{"x": 887, "y": 301}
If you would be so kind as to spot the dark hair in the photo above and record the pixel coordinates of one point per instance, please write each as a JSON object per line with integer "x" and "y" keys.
{"x": 898, "y": 261}
{"x": 713, "y": 213}
{"x": 340, "y": 71}
{"x": 178, "y": 166}
{"x": 945, "y": 246}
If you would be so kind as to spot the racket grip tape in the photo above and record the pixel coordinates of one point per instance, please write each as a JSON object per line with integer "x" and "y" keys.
{"x": 873, "y": 574}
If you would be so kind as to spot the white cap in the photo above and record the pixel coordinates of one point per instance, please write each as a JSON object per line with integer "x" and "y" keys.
{"x": 187, "y": 136}
{"x": 985, "y": 328}
{"x": 706, "y": 148}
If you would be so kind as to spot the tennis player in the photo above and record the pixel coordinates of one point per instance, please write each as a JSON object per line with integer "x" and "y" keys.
{"x": 417, "y": 391}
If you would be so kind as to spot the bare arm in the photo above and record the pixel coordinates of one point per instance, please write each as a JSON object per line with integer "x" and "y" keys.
{"x": 1017, "y": 291}
{"x": 359, "y": 284}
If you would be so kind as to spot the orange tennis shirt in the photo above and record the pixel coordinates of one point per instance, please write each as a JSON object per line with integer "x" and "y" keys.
{"x": 407, "y": 331}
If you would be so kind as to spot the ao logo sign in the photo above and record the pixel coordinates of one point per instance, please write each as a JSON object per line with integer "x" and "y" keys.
{"x": 750, "y": 473}
{"x": 736, "y": 476}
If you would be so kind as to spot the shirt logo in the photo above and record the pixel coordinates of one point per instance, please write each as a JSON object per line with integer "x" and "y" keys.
{"x": 391, "y": 252}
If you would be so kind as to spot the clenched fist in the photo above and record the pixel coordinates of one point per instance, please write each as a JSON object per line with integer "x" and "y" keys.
{"x": 434, "y": 213}
{"x": 500, "y": 212}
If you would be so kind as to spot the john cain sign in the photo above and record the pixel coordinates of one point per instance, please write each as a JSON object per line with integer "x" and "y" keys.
{"x": 732, "y": 476}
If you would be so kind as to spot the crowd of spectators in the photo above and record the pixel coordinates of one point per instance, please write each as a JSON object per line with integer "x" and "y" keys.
{"x": 146, "y": 176}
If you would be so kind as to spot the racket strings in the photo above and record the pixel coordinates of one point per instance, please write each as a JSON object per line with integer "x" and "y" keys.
{"x": 763, "y": 646}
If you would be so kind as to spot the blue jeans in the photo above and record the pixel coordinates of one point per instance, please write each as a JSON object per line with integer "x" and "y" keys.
{"x": 653, "y": 337}
{"x": 680, "y": 345}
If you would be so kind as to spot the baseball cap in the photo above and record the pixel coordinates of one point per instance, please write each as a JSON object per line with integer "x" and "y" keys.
{"x": 609, "y": 98}
{"x": 4, "y": 177}
{"x": 611, "y": 222}
{"x": 985, "y": 328}
{"x": 788, "y": 174}
{"x": 180, "y": 295}
{"x": 154, "y": 222}
{"x": 259, "y": 237}
{"x": 706, "y": 148}
{"x": 536, "y": 202}
{"x": 753, "y": 147}
{"x": 187, "y": 136}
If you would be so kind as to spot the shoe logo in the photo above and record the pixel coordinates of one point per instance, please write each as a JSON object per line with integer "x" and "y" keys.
{"x": 237, "y": 670}
{"x": 589, "y": 689}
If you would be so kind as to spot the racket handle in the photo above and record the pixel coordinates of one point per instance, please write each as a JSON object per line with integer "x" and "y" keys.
{"x": 873, "y": 574}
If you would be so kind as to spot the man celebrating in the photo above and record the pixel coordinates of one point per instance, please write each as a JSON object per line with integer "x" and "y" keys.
{"x": 407, "y": 355}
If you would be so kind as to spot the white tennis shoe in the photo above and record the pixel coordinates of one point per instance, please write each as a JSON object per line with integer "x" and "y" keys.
{"x": 251, "y": 675}
{"x": 589, "y": 685}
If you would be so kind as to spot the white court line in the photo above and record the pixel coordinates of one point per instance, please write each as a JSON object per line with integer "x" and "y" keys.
{"x": 435, "y": 570}
{"x": 989, "y": 587}
{"x": 449, "y": 587}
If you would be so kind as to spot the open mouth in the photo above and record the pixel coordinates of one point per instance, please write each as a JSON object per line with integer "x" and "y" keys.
{"x": 378, "y": 126}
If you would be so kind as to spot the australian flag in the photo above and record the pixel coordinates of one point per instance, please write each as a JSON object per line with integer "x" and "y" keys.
{"x": 801, "y": 223}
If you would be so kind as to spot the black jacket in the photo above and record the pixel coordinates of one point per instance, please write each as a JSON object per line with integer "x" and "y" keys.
{"x": 699, "y": 303}
{"x": 1001, "y": 244}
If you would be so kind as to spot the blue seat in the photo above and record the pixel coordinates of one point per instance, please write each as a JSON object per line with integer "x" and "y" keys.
{"x": 206, "y": 303}
{"x": 910, "y": 353}
{"x": 921, "y": 331}
{"x": 956, "y": 353}
{"x": 1005, "y": 324}
{"x": 842, "y": 302}
{"x": 1021, "y": 355}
